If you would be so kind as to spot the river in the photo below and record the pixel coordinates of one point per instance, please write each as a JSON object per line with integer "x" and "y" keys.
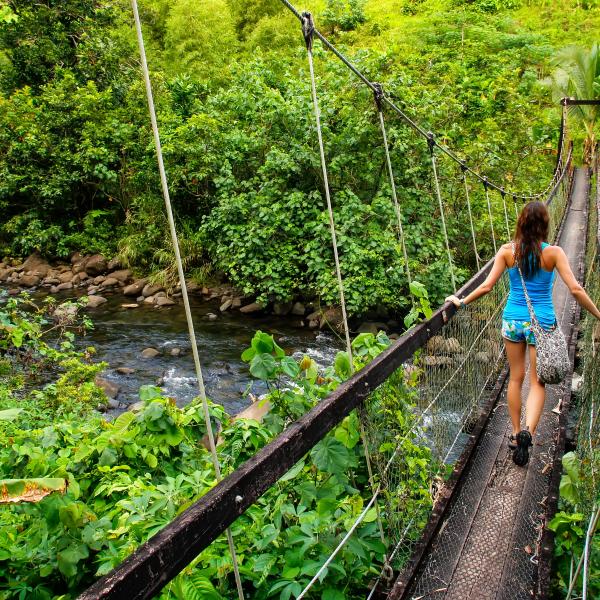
{"x": 120, "y": 335}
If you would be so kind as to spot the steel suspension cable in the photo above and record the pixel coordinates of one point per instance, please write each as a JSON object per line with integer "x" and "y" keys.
{"x": 308, "y": 30}
{"x": 489, "y": 206}
{"x": 181, "y": 275}
{"x": 378, "y": 103}
{"x": 503, "y": 195}
{"x": 431, "y": 143}
{"x": 415, "y": 126}
{"x": 466, "y": 184}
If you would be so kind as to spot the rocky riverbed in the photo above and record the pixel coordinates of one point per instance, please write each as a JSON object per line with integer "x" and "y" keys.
{"x": 142, "y": 333}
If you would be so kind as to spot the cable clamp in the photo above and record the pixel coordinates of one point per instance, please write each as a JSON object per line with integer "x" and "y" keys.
{"x": 308, "y": 29}
{"x": 503, "y": 193}
{"x": 463, "y": 166}
{"x": 378, "y": 94}
{"x": 431, "y": 141}
{"x": 486, "y": 183}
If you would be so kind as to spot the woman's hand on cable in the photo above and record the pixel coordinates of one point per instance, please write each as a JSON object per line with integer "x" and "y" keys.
{"x": 455, "y": 300}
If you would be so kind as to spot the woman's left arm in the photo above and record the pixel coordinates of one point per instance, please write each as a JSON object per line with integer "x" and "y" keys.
{"x": 488, "y": 285}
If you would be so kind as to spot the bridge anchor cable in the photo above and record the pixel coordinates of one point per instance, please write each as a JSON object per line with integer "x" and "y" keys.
{"x": 184, "y": 294}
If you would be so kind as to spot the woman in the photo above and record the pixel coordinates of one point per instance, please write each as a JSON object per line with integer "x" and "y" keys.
{"x": 538, "y": 261}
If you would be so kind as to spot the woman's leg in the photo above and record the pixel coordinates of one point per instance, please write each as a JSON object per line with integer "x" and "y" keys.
{"x": 515, "y": 352}
{"x": 537, "y": 395}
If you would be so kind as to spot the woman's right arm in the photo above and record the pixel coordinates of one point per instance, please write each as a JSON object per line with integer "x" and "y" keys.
{"x": 564, "y": 270}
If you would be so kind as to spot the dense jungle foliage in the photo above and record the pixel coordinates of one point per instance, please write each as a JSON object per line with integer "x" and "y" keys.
{"x": 117, "y": 483}
{"x": 77, "y": 163}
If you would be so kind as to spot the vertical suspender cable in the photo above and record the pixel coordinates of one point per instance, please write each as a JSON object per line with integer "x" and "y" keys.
{"x": 308, "y": 29}
{"x": 378, "y": 102}
{"x": 464, "y": 172}
{"x": 186, "y": 302}
{"x": 431, "y": 144}
{"x": 515, "y": 207}
{"x": 489, "y": 205}
{"x": 503, "y": 194}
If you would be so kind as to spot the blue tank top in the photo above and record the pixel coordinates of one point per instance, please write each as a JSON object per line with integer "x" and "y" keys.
{"x": 540, "y": 291}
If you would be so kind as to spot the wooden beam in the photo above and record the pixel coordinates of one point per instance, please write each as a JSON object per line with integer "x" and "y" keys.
{"x": 145, "y": 572}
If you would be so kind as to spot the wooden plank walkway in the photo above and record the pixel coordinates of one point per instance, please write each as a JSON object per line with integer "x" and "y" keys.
{"x": 488, "y": 546}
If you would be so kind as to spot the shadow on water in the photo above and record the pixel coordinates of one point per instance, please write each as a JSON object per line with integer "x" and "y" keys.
{"x": 120, "y": 335}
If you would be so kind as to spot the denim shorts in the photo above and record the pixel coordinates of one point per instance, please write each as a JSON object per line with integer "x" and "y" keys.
{"x": 518, "y": 331}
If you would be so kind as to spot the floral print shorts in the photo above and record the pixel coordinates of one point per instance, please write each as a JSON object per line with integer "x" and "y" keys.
{"x": 518, "y": 331}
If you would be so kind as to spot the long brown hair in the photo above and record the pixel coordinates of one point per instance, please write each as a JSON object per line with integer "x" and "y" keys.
{"x": 532, "y": 230}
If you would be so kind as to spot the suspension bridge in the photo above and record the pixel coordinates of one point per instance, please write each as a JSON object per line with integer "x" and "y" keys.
{"x": 485, "y": 534}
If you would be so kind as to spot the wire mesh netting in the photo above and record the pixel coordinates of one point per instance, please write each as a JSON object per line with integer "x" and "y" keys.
{"x": 588, "y": 426}
{"x": 448, "y": 383}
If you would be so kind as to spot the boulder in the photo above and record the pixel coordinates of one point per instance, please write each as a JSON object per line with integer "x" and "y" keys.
{"x": 175, "y": 351}
{"x": 135, "y": 288}
{"x": 129, "y": 306}
{"x": 368, "y": 328}
{"x": 313, "y": 323}
{"x": 4, "y": 273}
{"x": 205, "y": 291}
{"x": 93, "y": 289}
{"x": 66, "y": 276}
{"x": 139, "y": 299}
{"x": 67, "y": 285}
{"x": 164, "y": 301}
{"x": 298, "y": 309}
{"x": 99, "y": 280}
{"x": 436, "y": 344}
{"x": 96, "y": 265}
{"x": 122, "y": 275}
{"x": 76, "y": 257}
{"x": 114, "y": 263}
{"x": 150, "y": 353}
{"x": 452, "y": 346}
{"x": 110, "y": 389}
{"x": 30, "y": 280}
{"x": 95, "y": 301}
{"x": 332, "y": 317}
{"x": 110, "y": 282}
{"x": 226, "y": 305}
{"x": 236, "y": 302}
{"x": 33, "y": 261}
{"x": 79, "y": 267}
{"x": 151, "y": 290}
{"x": 125, "y": 370}
{"x": 150, "y": 300}
{"x": 282, "y": 308}
{"x": 42, "y": 269}
{"x": 136, "y": 406}
{"x": 192, "y": 287}
{"x": 251, "y": 308}
{"x": 211, "y": 316}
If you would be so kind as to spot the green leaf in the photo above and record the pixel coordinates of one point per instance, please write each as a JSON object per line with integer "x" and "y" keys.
{"x": 290, "y": 367}
{"x": 330, "y": 455}
{"x": 333, "y": 594}
{"x": 68, "y": 559}
{"x": 108, "y": 457}
{"x": 569, "y": 490}
{"x": 263, "y": 366}
{"x": 10, "y": 414}
{"x": 149, "y": 392}
{"x": 342, "y": 365}
{"x": 297, "y": 468}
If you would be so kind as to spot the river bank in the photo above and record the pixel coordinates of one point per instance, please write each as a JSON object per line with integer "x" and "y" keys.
{"x": 149, "y": 344}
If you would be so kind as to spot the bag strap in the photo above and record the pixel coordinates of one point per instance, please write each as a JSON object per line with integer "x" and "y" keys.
{"x": 527, "y": 298}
